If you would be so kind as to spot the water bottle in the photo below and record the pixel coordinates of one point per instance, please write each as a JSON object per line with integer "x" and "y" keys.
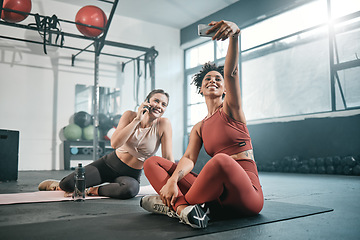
{"x": 79, "y": 190}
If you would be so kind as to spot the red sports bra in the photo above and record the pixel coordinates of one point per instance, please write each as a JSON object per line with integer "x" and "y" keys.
{"x": 222, "y": 134}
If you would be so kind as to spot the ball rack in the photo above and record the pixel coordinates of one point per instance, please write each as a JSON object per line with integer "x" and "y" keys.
{"x": 48, "y": 28}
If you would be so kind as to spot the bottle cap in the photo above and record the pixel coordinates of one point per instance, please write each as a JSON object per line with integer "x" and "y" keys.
{"x": 80, "y": 169}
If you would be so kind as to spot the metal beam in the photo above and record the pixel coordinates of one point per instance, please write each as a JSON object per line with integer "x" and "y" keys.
{"x": 346, "y": 65}
{"x": 102, "y": 38}
{"x": 128, "y": 46}
{"x": 331, "y": 56}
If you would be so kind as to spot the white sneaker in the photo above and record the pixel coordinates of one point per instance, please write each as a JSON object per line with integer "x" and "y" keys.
{"x": 154, "y": 204}
{"x": 195, "y": 216}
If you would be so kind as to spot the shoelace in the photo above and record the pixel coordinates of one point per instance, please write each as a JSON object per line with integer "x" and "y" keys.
{"x": 173, "y": 214}
{"x": 161, "y": 208}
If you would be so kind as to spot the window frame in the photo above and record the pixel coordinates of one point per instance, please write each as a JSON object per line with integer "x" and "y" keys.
{"x": 334, "y": 67}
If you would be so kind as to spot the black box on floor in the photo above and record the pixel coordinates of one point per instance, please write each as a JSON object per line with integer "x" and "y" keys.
{"x": 9, "y": 155}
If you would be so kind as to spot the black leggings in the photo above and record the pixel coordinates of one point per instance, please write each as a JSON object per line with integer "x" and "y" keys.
{"x": 124, "y": 181}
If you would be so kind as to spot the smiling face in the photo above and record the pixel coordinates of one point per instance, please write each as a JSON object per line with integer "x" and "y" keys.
{"x": 212, "y": 84}
{"x": 158, "y": 103}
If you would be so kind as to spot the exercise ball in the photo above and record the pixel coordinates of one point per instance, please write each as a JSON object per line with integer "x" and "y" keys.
{"x": 105, "y": 122}
{"x": 90, "y": 15}
{"x": 83, "y": 119}
{"x": 88, "y": 132}
{"x": 18, "y": 5}
{"x": 72, "y": 132}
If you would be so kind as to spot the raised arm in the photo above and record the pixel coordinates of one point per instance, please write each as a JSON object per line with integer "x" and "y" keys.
{"x": 232, "y": 100}
{"x": 126, "y": 126}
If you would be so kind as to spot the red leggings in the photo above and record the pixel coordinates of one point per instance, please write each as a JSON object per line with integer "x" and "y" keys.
{"x": 234, "y": 184}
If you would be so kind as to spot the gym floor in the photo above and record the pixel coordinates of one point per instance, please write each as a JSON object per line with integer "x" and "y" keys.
{"x": 341, "y": 193}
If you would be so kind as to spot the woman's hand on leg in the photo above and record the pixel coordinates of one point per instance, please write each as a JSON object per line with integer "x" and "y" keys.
{"x": 169, "y": 193}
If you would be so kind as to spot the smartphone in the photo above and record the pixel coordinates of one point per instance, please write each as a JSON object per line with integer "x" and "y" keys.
{"x": 146, "y": 107}
{"x": 202, "y": 29}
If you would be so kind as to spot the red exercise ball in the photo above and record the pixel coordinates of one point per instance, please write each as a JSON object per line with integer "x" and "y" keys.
{"x": 90, "y": 15}
{"x": 18, "y": 5}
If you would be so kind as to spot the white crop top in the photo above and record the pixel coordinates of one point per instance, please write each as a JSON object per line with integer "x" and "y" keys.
{"x": 143, "y": 143}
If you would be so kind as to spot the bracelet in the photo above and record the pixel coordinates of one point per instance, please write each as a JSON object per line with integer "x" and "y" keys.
{"x": 236, "y": 34}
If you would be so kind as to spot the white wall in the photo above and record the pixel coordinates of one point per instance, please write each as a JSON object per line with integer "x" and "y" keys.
{"x": 37, "y": 91}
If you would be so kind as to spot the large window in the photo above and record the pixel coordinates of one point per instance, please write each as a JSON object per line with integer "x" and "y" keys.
{"x": 301, "y": 61}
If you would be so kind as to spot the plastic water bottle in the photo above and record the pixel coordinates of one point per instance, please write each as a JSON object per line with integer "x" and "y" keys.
{"x": 79, "y": 190}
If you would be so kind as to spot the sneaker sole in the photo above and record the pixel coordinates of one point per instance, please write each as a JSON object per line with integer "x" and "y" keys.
{"x": 198, "y": 218}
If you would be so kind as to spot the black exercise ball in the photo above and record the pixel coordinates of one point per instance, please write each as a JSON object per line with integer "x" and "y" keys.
{"x": 339, "y": 169}
{"x": 347, "y": 170}
{"x": 330, "y": 169}
{"x": 328, "y": 161}
{"x": 336, "y": 160}
{"x": 350, "y": 161}
{"x": 320, "y": 162}
{"x": 321, "y": 170}
{"x": 83, "y": 119}
{"x": 312, "y": 162}
{"x": 356, "y": 170}
{"x": 105, "y": 122}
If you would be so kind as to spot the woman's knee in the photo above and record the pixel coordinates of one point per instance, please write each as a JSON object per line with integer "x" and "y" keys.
{"x": 221, "y": 160}
{"x": 132, "y": 191}
{"x": 127, "y": 192}
{"x": 150, "y": 163}
{"x": 129, "y": 187}
{"x": 67, "y": 184}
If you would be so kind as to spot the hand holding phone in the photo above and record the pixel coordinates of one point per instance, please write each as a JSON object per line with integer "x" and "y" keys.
{"x": 146, "y": 107}
{"x": 202, "y": 29}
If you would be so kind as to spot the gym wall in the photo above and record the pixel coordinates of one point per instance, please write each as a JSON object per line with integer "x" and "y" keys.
{"x": 308, "y": 138}
{"x": 301, "y": 140}
{"x": 37, "y": 91}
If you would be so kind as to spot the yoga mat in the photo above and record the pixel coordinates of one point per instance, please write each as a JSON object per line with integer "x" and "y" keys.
{"x": 132, "y": 222}
{"x": 54, "y": 196}
{"x": 40, "y": 196}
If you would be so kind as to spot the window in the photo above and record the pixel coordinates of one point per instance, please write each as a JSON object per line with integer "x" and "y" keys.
{"x": 340, "y": 8}
{"x": 286, "y": 63}
{"x": 287, "y": 23}
{"x": 276, "y": 86}
{"x": 109, "y": 99}
{"x": 199, "y": 55}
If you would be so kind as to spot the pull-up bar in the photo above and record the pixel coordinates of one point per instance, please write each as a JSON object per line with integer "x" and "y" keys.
{"x": 98, "y": 43}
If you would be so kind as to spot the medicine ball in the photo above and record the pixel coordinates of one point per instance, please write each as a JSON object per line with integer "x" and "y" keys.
{"x": 83, "y": 119}
{"x": 105, "y": 122}
{"x": 90, "y": 15}
{"x": 88, "y": 132}
{"x": 17, "y": 5}
{"x": 72, "y": 132}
